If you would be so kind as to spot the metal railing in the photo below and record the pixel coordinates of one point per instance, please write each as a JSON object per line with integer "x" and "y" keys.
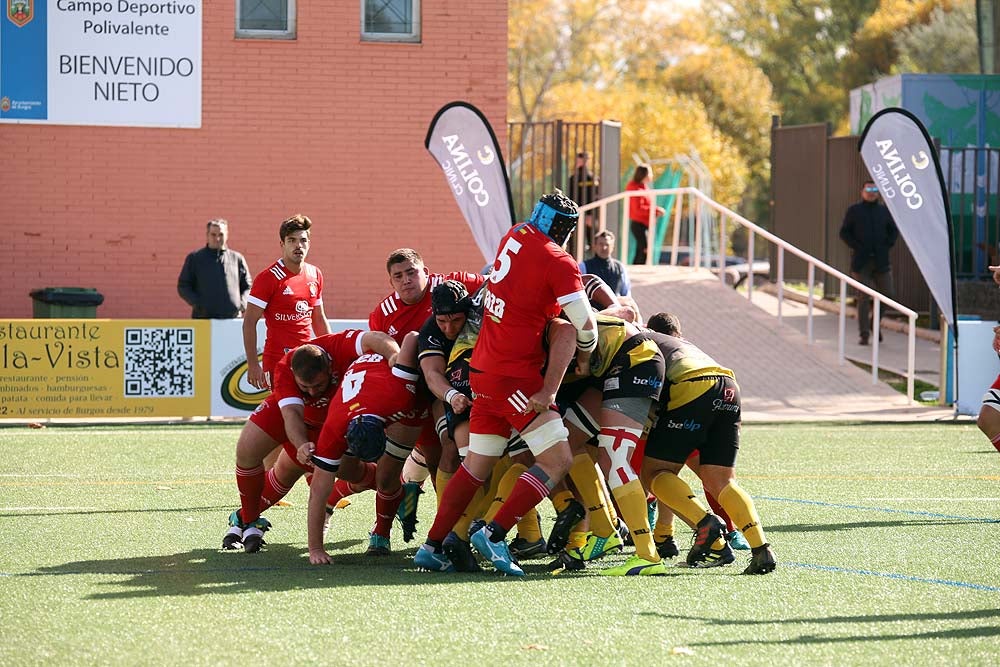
{"x": 696, "y": 200}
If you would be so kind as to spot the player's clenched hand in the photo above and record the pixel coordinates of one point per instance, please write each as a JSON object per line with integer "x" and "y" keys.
{"x": 319, "y": 557}
{"x": 540, "y": 401}
{"x": 460, "y": 403}
{"x": 305, "y": 450}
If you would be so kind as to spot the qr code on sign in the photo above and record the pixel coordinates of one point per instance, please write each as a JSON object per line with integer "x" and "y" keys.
{"x": 159, "y": 362}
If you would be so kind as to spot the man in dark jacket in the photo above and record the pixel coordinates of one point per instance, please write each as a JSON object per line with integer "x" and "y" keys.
{"x": 215, "y": 280}
{"x": 869, "y": 231}
{"x": 606, "y": 267}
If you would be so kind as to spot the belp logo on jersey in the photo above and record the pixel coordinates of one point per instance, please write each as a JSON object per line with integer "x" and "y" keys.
{"x": 313, "y": 289}
{"x": 20, "y": 12}
{"x": 687, "y": 425}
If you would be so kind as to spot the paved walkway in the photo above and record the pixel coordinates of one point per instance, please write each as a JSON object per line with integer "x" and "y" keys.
{"x": 781, "y": 376}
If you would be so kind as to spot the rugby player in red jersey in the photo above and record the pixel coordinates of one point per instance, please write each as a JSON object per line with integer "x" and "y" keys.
{"x": 409, "y": 306}
{"x": 532, "y": 279}
{"x": 405, "y": 310}
{"x": 291, "y": 417}
{"x": 372, "y": 396}
{"x": 289, "y": 296}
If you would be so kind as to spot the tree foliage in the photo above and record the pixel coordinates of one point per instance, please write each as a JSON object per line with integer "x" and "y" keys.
{"x": 663, "y": 124}
{"x": 709, "y": 81}
{"x": 799, "y": 45}
{"x": 946, "y": 43}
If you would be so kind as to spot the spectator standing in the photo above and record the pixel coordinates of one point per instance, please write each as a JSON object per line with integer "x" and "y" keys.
{"x": 606, "y": 267}
{"x": 870, "y": 233}
{"x": 583, "y": 190}
{"x": 638, "y": 210}
{"x": 215, "y": 280}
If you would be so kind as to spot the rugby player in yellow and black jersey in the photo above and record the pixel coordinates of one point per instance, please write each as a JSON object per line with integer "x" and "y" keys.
{"x": 700, "y": 409}
{"x": 625, "y": 379}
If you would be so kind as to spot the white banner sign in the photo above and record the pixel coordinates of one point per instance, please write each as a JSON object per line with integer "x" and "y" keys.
{"x": 110, "y": 62}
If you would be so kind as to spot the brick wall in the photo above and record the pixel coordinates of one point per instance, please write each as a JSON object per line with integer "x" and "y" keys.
{"x": 324, "y": 125}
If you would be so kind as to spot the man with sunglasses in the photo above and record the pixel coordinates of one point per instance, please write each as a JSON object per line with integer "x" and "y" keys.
{"x": 870, "y": 233}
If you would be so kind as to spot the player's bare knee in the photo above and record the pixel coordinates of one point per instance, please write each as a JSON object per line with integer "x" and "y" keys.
{"x": 253, "y": 446}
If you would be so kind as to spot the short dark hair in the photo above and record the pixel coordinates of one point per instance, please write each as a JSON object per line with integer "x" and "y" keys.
{"x": 583, "y": 154}
{"x": 296, "y": 223}
{"x": 606, "y": 234}
{"x": 308, "y": 361}
{"x": 217, "y": 222}
{"x": 665, "y": 323}
{"x": 403, "y": 255}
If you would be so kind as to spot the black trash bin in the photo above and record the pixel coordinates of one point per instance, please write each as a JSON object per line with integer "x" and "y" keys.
{"x": 66, "y": 302}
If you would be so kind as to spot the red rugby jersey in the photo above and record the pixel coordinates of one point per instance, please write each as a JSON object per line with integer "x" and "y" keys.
{"x": 397, "y": 319}
{"x": 532, "y": 279}
{"x": 287, "y": 300}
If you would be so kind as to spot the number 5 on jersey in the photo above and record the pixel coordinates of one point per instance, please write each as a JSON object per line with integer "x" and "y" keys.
{"x": 511, "y": 247}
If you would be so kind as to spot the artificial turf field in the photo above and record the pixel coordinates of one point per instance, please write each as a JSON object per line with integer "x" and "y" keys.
{"x": 885, "y": 536}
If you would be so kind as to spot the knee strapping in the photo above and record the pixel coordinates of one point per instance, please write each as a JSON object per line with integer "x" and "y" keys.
{"x": 486, "y": 444}
{"x": 619, "y": 442}
{"x": 545, "y": 436}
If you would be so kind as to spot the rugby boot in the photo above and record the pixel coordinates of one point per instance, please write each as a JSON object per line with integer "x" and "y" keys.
{"x": 636, "y": 566}
{"x": 460, "y": 554}
{"x": 567, "y": 561}
{"x": 378, "y": 545}
{"x": 716, "y": 557}
{"x": 667, "y": 548}
{"x": 496, "y": 552}
{"x": 571, "y": 515}
{"x": 761, "y": 561}
{"x": 233, "y": 539}
{"x": 598, "y": 547}
{"x": 521, "y": 548}
{"x": 737, "y": 541}
{"x": 428, "y": 559}
{"x": 706, "y": 532}
{"x": 253, "y": 535}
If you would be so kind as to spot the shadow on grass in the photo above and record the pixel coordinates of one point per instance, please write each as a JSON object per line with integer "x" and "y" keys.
{"x": 970, "y": 614}
{"x": 146, "y": 510}
{"x": 851, "y": 525}
{"x": 957, "y": 633}
{"x": 954, "y": 633}
{"x": 278, "y": 567}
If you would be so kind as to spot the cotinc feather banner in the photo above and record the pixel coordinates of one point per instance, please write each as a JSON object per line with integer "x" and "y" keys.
{"x": 902, "y": 161}
{"x": 464, "y": 145}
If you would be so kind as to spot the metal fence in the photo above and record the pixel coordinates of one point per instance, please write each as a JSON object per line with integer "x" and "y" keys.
{"x": 541, "y": 156}
{"x": 815, "y": 177}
